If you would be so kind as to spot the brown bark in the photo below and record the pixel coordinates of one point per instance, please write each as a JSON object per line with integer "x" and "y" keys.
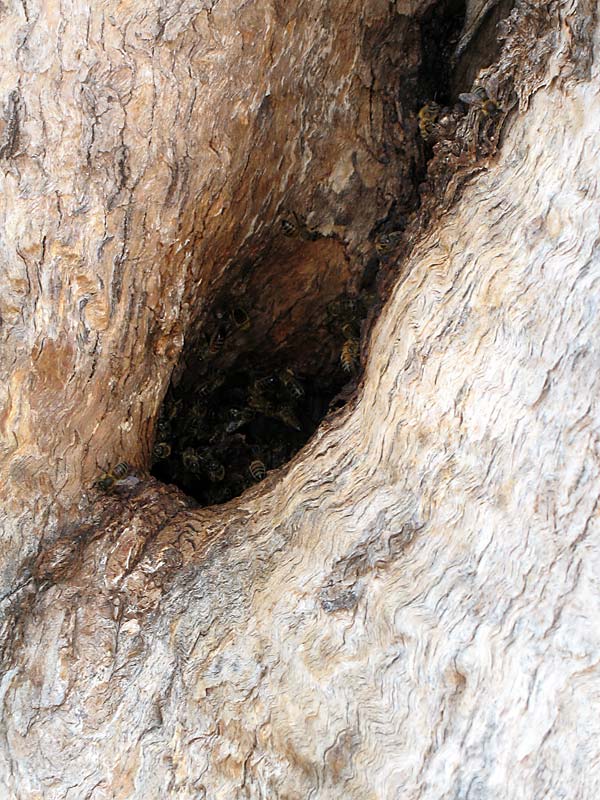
{"x": 406, "y": 610}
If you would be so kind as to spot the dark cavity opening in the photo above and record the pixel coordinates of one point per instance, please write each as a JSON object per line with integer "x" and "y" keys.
{"x": 277, "y": 351}
{"x": 441, "y": 29}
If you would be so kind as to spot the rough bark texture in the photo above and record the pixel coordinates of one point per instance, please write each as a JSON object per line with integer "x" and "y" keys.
{"x": 408, "y": 609}
{"x": 143, "y": 152}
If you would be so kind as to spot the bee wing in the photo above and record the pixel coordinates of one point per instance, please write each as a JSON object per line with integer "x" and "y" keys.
{"x": 492, "y": 87}
{"x": 470, "y": 99}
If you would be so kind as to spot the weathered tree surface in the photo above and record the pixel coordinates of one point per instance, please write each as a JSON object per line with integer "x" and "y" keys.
{"x": 408, "y": 609}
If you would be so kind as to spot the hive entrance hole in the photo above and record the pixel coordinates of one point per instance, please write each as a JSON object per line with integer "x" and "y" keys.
{"x": 261, "y": 369}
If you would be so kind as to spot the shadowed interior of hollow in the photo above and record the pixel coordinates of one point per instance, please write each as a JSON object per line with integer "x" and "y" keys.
{"x": 281, "y": 344}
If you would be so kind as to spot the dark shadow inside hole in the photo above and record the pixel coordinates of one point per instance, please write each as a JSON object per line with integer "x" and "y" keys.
{"x": 239, "y": 410}
{"x": 441, "y": 28}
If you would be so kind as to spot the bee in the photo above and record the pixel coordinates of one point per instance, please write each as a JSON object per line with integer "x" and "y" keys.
{"x": 161, "y": 450}
{"x": 240, "y": 319}
{"x": 257, "y": 470}
{"x": 217, "y": 340}
{"x": 287, "y": 416}
{"x": 427, "y": 118}
{"x": 257, "y": 401}
{"x": 296, "y": 227}
{"x": 104, "y": 483}
{"x": 263, "y": 394}
{"x": 214, "y": 470}
{"x": 197, "y": 412}
{"x": 350, "y": 330}
{"x": 235, "y": 418}
{"x": 109, "y": 478}
{"x": 191, "y": 461}
{"x": 291, "y": 384}
{"x": 349, "y": 357}
{"x": 206, "y": 389}
{"x": 483, "y": 99}
{"x": 344, "y": 308}
{"x": 163, "y": 428}
{"x": 386, "y": 242}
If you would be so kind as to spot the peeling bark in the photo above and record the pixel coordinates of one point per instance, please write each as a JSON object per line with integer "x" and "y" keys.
{"x": 406, "y": 609}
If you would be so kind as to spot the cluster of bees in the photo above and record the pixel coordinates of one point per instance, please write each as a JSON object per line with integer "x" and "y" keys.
{"x": 224, "y": 434}
{"x": 436, "y": 122}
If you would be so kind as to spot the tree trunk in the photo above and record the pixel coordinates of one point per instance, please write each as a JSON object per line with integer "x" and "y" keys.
{"x": 406, "y": 609}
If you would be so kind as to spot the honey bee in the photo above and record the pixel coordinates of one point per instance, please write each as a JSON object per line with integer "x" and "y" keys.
{"x": 263, "y": 394}
{"x": 161, "y": 450}
{"x": 298, "y": 228}
{"x": 104, "y": 483}
{"x": 291, "y": 384}
{"x": 257, "y": 470}
{"x": 287, "y": 416}
{"x": 344, "y": 309}
{"x": 257, "y": 400}
{"x": 350, "y": 330}
{"x": 240, "y": 319}
{"x": 427, "y": 118}
{"x": 235, "y": 418}
{"x": 191, "y": 461}
{"x": 121, "y": 470}
{"x": 217, "y": 340}
{"x": 215, "y": 471}
{"x": 108, "y": 479}
{"x": 213, "y": 468}
{"x": 163, "y": 430}
{"x": 483, "y": 99}
{"x": 386, "y": 242}
{"x": 210, "y": 386}
{"x": 349, "y": 357}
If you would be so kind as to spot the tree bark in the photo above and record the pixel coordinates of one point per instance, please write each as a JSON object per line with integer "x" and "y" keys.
{"x": 408, "y": 608}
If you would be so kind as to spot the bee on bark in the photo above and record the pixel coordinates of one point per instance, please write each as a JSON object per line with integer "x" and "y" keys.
{"x": 483, "y": 99}
{"x": 111, "y": 477}
{"x": 104, "y": 483}
{"x": 257, "y": 470}
{"x": 160, "y": 451}
{"x": 292, "y": 385}
{"x": 427, "y": 118}
{"x": 297, "y": 227}
{"x": 217, "y": 340}
{"x": 387, "y": 242}
{"x": 121, "y": 470}
{"x": 349, "y": 357}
